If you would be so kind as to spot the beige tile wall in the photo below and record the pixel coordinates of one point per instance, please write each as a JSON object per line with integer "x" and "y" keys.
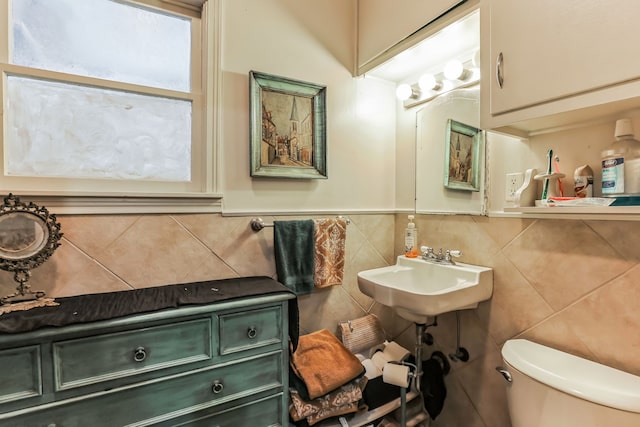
{"x": 569, "y": 284}
{"x": 573, "y": 285}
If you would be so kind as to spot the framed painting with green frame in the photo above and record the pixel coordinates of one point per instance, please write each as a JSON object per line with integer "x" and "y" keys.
{"x": 463, "y": 156}
{"x": 287, "y": 128}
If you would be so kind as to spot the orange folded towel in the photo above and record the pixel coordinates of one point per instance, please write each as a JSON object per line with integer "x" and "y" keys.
{"x": 330, "y": 236}
{"x": 323, "y": 363}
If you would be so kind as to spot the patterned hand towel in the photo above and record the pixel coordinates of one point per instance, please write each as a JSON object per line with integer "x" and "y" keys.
{"x": 330, "y": 236}
{"x": 344, "y": 400}
{"x": 293, "y": 247}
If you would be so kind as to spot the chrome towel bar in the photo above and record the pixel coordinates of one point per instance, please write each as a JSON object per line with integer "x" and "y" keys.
{"x": 258, "y": 224}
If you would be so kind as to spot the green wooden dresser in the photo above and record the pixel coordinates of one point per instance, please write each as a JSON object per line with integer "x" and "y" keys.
{"x": 217, "y": 360}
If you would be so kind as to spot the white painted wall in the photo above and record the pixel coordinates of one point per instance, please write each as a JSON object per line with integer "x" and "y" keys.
{"x": 314, "y": 42}
{"x": 370, "y": 136}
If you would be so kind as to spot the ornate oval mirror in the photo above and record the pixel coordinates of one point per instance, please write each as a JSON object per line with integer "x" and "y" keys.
{"x": 29, "y": 235}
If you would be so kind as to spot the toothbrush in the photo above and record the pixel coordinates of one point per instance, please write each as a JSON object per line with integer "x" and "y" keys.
{"x": 556, "y": 164}
{"x": 545, "y": 189}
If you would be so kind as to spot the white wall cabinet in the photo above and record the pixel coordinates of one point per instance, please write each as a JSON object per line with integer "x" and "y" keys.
{"x": 383, "y": 23}
{"x": 559, "y": 63}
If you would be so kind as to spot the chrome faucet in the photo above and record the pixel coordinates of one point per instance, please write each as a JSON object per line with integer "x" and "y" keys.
{"x": 442, "y": 258}
{"x": 428, "y": 254}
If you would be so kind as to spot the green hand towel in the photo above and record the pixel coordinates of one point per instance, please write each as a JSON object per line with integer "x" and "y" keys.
{"x": 294, "y": 245}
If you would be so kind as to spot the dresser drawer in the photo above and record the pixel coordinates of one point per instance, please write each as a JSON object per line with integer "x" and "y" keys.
{"x": 98, "y": 358}
{"x": 21, "y": 373}
{"x": 263, "y": 413}
{"x": 250, "y": 329}
{"x": 159, "y": 401}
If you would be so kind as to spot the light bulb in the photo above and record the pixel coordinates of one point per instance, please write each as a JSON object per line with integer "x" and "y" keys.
{"x": 454, "y": 70}
{"x": 428, "y": 82}
{"x": 404, "y": 91}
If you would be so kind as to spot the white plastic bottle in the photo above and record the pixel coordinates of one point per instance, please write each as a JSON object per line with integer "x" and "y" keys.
{"x": 621, "y": 162}
{"x": 411, "y": 239}
{"x": 583, "y": 181}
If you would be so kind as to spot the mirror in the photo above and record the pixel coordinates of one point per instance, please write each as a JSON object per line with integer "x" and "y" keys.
{"x": 29, "y": 235}
{"x": 433, "y": 193}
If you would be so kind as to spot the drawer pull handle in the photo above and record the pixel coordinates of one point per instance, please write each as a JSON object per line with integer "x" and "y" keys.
{"x": 139, "y": 354}
{"x": 252, "y": 332}
{"x": 217, "y": 387}
{"x": 500, "y": 70}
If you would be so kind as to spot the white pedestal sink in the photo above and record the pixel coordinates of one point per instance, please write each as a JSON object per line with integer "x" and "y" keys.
{"x": 418, "y": 289}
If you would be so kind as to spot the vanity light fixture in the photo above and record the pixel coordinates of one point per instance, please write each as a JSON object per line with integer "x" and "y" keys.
{"x": 475, "y": 61}
{"x": 405, "y": 91}
{"x": 428, "y": 82}
{"x": 454, "y": 70}
{"x": 456, "y": 74}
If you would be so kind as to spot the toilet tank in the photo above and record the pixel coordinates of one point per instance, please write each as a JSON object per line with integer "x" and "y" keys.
{"x": 550, "y": 388}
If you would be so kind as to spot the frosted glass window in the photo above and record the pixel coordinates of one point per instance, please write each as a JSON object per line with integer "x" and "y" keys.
{"x": 106, "y": 103}
{"x": 65, "y": 130}
{"x": 103, "y": 39}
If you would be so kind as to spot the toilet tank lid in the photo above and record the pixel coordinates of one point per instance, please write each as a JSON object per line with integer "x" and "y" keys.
{"x": 573, "y": 375}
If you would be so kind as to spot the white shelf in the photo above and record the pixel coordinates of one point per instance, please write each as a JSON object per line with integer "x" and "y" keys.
{"x": 578, "y": 212}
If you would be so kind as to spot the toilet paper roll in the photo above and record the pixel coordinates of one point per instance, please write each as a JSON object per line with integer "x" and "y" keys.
{"x": 379, "y": 359}
{"x": 371, "y": 371}
{"x": 377, "y": 348}
{"x": 396, "y": 375}
{"x": 395, "y": 352}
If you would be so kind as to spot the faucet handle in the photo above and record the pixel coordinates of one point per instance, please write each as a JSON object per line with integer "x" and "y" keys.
{"x": 454, "y": 253}
{"x": 426, "y": 250}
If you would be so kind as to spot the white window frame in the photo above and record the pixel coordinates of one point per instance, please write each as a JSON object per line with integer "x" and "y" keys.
{"x": 86, "y": 196}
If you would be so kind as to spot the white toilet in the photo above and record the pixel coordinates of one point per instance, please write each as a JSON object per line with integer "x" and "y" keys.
{"x": 549, "y": 388}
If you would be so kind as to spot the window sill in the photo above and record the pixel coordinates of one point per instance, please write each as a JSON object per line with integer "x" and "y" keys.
{"x": 130, "y": 203}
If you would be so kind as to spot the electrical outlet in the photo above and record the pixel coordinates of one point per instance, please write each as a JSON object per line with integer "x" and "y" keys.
{"x": 513, "y": 183}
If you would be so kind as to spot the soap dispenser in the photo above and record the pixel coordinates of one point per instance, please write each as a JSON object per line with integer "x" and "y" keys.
{"x": 411, "y": 239}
